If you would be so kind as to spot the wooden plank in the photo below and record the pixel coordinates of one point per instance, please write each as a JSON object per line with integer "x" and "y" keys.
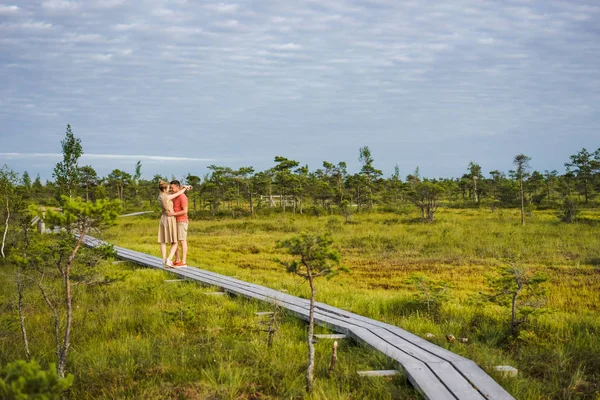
{"x": 261, "y": 313}
{"x": 331, "y": 336}
{"x": 507, "y": 370}
{"x": 383, "y": 372}
{"x": 487, "y": 386}
{"x": 136, "y": 213}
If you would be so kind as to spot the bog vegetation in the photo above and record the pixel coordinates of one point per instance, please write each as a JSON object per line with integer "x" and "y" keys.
{"x": 510, "y": 262}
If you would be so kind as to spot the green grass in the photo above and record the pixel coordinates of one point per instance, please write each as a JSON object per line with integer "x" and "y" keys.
{"x": 558, "y": 352}
{"x": 142, "y": 337}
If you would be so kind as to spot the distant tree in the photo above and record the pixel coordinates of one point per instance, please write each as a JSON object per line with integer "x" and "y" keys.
{"x": 283, "y": 177}
{"x": 355, "y": 183}
{"x": 494, "y": 183}
{"x": 536, "y": 186}
{"x": 395, "y": 186}
{"x": 300, "y": 186}
{"x": 584, "y": 166}
{"x": 336, "y": 174}
{"x": 240, "y": 176}
{"x": 136, "y": 180}
{"x": 414, "y": 178}
{"x": 194, "y": 181}
{"x": 368, "y": 171}
{"x": 522, "y": 163}
{"x": 569, "y": 210}
{"x": 475, "y": 175}
{"x": 89, "y": 180}
{"x": 426, "y": 196}
{"x": 551, "y": 180}
{"x": 37, "y": 187}
{"x": 566, "y": 182}
{"x": 118, "y": 180}
{"x": 346, "y": 210}
{"x": 66, "y": 172}
{"x": 26, "y": 181}
{"x": 317, "y": 258}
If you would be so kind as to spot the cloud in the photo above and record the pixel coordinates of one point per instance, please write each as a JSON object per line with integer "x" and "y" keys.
{"x": 247, "y": 80}
{"x": 60, "y": 5}
{"x": 287, "y": 46}
{"x": 222, "y": 7}
{"x": 8, "y": 10}
{"x": 487, "y": 40}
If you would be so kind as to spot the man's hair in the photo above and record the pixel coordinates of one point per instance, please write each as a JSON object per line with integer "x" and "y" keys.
{"x": 176, "y": 182}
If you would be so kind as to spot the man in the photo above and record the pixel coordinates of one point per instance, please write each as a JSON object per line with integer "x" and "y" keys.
{"x": 180, "y": 211}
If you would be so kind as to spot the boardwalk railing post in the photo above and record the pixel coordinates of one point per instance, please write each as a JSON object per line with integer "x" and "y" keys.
{"x": 333, "y": 357}
{"x": 41, "y": 226}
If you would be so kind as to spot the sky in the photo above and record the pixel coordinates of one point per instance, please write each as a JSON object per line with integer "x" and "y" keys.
{"x": 183, "y": 84}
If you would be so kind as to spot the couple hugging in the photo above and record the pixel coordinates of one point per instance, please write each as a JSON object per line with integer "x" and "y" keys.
{"x": 173, "y": 222}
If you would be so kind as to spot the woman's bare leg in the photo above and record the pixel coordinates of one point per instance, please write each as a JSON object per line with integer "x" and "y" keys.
{"x": 173, "y": 250}
{"x": 163, "y": 251}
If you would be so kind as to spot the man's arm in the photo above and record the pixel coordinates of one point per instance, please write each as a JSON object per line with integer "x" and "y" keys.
{"x": 184, "y": 207}
{"x": 182, "y": 212}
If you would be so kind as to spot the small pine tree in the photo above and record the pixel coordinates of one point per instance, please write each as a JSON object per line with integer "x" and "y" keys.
{"x": 521, "y": 289}
{"x": 317, "y": 258}
{"x": 27, "y": 380}
{"x": 569, "y": 210}
{"x": 78, "y": 217}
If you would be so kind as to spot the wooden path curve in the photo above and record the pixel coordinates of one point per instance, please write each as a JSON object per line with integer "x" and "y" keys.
{"x": 435, "y": 372}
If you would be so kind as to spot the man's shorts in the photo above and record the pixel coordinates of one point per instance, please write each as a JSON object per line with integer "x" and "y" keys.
{"x": 182, "y": 230}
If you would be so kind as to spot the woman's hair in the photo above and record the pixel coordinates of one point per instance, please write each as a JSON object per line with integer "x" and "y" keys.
{"x": 162, "y": 185}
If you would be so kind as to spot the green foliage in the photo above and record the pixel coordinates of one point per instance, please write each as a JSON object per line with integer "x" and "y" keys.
{"x": 22, "y": 380}
{"x": 81, "y": 215}
{"x": 520, "y": 289}
{"x": 66, "y": 172}
{"x": 569, "y": 210}
{"x": 426, "y": 196}
{"x": 385, "y": 249}
{"x": 430, "y": 293}
{"x": 346, "y": 210}
{"x": 316, "y": 256}
{"x": 140, "y": 337}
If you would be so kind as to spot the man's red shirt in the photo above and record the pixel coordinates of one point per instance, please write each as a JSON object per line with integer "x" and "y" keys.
{"x": 179, "y": 203}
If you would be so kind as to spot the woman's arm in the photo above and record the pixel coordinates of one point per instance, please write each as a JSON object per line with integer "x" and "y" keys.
{"x": 184, "y": 188}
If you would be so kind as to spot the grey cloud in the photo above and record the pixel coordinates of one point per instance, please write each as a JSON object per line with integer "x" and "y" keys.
{"x": 226, "y": 77}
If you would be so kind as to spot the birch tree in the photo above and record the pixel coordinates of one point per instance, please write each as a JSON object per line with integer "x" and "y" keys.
{"x": 522, "y": 163}
{"x": 66, "y": 172}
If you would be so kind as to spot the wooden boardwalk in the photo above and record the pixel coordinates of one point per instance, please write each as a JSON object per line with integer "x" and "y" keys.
{"x": 435, "y": 372}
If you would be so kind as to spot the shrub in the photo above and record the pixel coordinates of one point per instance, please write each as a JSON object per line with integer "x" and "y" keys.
{"x": 27, "y": 380}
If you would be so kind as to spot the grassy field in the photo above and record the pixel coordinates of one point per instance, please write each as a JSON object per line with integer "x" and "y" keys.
{"x": 141, "y": 337}
{"x": 557, "y": 352}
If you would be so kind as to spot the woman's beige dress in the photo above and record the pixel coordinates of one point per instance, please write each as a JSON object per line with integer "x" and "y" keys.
{"x": 167, "y": 230}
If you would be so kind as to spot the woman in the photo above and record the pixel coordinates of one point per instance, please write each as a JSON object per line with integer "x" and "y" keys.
{"x": 167, "y": 229}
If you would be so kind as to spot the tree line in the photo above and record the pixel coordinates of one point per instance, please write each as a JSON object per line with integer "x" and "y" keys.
{"x": 290, "y": 186}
